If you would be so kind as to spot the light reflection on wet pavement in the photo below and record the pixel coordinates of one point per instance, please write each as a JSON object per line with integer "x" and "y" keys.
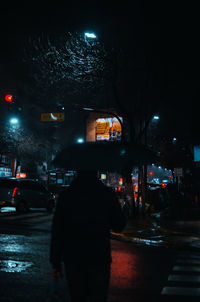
{"x": 14, "y": 243}
{"x": 12, "y": 266}
{"x": 7, "y": 210}
{"x": 25, "y": 270}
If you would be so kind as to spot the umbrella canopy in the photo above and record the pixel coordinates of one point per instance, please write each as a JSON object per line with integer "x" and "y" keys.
{"x": 101, "y": 155}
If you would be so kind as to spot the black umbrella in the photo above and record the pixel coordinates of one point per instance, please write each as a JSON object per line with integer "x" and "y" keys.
{"x": 101, "y": 155}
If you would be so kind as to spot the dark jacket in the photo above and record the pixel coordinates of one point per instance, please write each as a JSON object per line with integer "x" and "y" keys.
{"x": 84, "y": 215}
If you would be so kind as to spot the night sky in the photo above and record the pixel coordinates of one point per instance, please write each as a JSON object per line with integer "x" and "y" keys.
{"x": 168, "y": 34}
{"x": 172, "y": 30}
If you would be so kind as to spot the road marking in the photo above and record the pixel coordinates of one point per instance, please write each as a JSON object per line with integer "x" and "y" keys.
{"x": 178, "y": 268}
{"x": 184, "y": 278}
{"x": 190, "y": 265}
{"x": 180, "y": 291}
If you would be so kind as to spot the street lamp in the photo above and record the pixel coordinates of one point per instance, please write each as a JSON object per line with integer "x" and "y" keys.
{"x": 14, "y": 121}
{"x": 90, "y": 35}
{"x": 156, "y": 117}
{"x": 80, "y": 140}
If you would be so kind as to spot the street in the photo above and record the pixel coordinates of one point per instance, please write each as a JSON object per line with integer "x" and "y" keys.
{"x": 138, "y": 272}
{"x": 91, "y": 95}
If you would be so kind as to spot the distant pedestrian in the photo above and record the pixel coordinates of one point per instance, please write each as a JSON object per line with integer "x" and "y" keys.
{"x": 84, "y": 215}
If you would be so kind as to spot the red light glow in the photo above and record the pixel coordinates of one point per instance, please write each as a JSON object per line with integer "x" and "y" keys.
{"x": 14, "y": 191}
{"x": 151, "y": 173}
{"x": 135, "y": 196}
{"x": 121, "y": 181}
{"x": 9, "y": 98}
{"x": 124, "y": 270}
{"x": 21, "y": 175}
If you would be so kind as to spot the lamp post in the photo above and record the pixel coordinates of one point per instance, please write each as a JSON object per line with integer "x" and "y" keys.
{"x": 13, "y": 128}
{"x": 92, "y": 36}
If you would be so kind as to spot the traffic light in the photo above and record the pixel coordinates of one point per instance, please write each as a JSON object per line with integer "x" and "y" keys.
{"x": 9, "y": 98}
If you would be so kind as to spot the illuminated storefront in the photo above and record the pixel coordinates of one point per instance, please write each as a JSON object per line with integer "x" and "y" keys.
{"x": 7, "y": 166}
{"x": 60, "y": 177}
{"x": 108, "y": 129}
{"x": 5, "y": 172}
{"x": 104, "y": 127}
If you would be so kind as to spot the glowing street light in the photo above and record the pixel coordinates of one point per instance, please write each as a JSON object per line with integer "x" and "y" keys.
{"x": 14, "y": 121}
{"x": 88, "y": 109}
{"x": 156, "y": 117}
{"x": 80, "y": 140}
{"x": 90, "y": 35}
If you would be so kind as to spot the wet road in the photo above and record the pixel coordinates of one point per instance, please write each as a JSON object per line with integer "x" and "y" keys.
{"x": 25, "y": 271}
{"x": 138, "y": 273}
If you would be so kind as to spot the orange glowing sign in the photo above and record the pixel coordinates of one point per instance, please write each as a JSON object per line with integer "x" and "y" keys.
{"x": 108, "y": 129}
{"x": 53, "y": 117}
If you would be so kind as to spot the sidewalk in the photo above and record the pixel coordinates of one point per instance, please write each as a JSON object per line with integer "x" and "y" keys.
{"x": 153, "y": 230}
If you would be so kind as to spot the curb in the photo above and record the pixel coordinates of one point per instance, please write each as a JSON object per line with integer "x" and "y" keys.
{"x": 147, "y": 241}
{"x": 152, "y": 241}
{"x": 156, "y": 243}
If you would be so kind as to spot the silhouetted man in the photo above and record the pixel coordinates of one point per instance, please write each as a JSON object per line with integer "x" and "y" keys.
{"x": 84, "y": 215}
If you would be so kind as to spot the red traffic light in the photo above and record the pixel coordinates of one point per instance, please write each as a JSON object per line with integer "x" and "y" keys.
{"x": 9, "y": 98}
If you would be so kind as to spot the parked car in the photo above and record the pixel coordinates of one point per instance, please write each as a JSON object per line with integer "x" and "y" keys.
{"x": 24, "y": 194}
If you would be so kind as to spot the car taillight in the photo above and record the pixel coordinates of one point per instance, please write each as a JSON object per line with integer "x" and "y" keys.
{"x": 14, "y": 192}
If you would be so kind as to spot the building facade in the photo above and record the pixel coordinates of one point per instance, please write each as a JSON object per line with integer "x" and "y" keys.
{"x": 7, "y": 166}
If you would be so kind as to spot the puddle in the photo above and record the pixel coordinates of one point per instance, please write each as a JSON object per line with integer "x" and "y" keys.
{"x": 15, "y": 248}
{"x": 7, "y": 209}
{"x": 13, "y": 243}
{"x": 12, "y": 266}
